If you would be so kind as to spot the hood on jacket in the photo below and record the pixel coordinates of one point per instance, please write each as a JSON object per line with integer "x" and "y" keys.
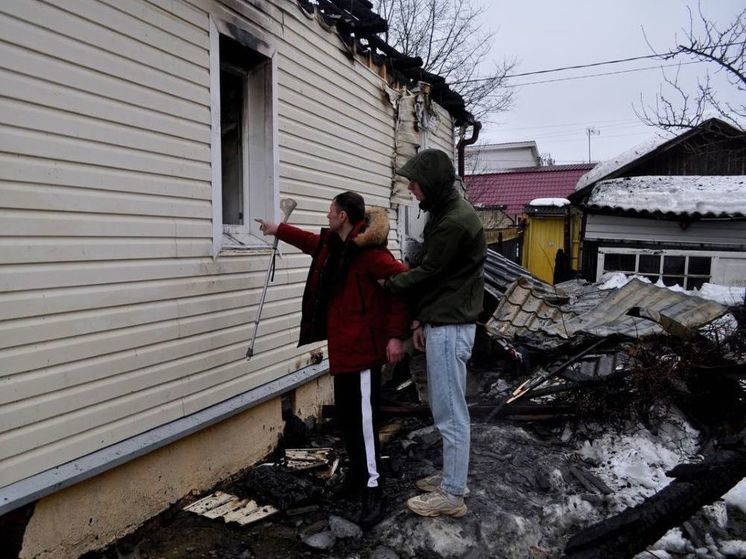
{"x": 433, "y": 170}
{"x": 373, "y": 230}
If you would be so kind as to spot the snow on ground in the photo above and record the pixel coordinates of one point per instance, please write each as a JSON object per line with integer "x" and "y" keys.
{"x": 634, "y": 464}
{"x": 723, "y": 294}
{"x": 736, "y": 497}
{"x": 733, "y": 548}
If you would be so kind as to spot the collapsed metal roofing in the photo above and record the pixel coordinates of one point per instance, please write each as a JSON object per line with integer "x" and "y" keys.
{"x": 679, "y": 195}
{"x": 500, "y": 272}
{"x": 358, "y": 26}
{"x": 550, "y": 319}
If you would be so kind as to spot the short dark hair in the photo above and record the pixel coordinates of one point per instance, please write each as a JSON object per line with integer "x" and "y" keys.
{"x": 352, "y": 204}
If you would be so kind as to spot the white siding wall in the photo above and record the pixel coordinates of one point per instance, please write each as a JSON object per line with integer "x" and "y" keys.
{"x": 708, "y": 233}
{"x": 114, "y": 318}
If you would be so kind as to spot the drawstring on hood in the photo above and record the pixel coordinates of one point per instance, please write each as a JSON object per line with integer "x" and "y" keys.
{"x": 433, "y": 171}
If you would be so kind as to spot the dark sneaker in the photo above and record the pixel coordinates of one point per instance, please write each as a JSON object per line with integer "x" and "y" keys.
{"x": 373, "y": 509}
{"x": 350, "y": 488}
{"x": 437, "y": 503}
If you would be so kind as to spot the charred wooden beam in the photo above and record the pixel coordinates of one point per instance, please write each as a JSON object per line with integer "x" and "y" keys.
{"x": 694, "y": 486}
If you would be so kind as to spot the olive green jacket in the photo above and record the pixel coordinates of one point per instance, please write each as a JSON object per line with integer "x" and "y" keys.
{"x": 448, "y": 286}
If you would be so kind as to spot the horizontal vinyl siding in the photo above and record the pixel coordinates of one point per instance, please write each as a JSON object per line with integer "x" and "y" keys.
{"x": 114, "y": 319}
{"x": 707, "y": 233}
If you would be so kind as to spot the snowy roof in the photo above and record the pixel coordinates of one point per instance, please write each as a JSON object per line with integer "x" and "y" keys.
{"x": 556, "y": 202}
{"x": 710, "y": 196}
{"x": 614, "y": 167}
{"x": 605, "y": 168}
{"x": 503, "y": 145}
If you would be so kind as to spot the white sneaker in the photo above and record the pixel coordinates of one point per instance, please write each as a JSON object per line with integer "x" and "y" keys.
{"x": 437, "y": 503}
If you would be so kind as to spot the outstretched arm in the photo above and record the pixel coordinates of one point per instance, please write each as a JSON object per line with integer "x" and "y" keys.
{"x": 299, "y": 238}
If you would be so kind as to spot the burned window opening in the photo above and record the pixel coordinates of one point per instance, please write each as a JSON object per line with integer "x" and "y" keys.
{"x": 239, "y": 67}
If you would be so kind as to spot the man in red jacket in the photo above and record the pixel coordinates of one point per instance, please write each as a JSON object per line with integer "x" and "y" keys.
{"x": 363, "y": 324}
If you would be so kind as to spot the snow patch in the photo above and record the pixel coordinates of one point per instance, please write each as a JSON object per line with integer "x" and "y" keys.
{"x": 573, "y": 511}
{"x": 728, "y": 296}
{"x": 736, "y": 497}
{"x": 733, "y": 548}
{"x": 679, "y": 195}
{"x": 556, "y": 202}
{"x": 634, "y": 464}
{"x": 723, "y": 294}
{"x": 614, "y": 280}
{"x": 605, "y": 168}
{"x": 673, "y": 541}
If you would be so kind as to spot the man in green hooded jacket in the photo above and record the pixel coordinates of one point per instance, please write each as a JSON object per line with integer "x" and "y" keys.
{"x": 447, "y": 289}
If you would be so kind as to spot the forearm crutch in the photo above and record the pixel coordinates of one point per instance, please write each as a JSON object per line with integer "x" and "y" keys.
{"x": 287, "y": 205}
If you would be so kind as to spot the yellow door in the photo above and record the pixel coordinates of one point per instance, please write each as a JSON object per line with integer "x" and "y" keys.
{"x": 542, "y": 238}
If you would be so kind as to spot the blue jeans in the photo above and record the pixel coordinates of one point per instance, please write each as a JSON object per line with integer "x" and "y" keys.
{"x": 447, "y": 349}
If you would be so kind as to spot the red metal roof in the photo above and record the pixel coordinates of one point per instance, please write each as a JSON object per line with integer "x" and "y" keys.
{"x": 517, "y": 187}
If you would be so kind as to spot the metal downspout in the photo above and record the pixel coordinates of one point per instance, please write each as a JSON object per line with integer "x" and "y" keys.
{"x": 463, "y": 142}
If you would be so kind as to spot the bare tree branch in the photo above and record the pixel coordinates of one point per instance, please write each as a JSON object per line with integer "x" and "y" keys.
{"x": 725, "y": 49}
{"x": 448, "y": 36}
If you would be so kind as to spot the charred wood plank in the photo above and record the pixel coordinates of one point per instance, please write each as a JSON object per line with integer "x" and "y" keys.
{"x": 589, "y": 481}
{"x": 631, "y": 531}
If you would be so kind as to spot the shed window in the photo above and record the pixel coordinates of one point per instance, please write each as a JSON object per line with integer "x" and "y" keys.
{"x": 673, "y": 267}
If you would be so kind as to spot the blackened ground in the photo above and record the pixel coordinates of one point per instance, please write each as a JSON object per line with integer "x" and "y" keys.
{"x": 526, "y": 496}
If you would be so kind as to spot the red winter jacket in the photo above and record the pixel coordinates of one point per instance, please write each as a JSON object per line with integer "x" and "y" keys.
{"x": 343, "y": 302}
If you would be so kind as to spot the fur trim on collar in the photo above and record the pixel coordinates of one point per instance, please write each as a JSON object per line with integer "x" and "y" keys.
{"x": 375, "y": 232}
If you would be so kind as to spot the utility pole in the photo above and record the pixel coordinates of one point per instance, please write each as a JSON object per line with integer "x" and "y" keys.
{"x": 591, "y": 131}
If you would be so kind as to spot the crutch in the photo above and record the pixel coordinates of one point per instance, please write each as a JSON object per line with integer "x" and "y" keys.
{"x": 287, "y": 205}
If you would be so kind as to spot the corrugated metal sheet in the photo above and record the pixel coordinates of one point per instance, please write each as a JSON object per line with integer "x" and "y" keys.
{"x": 500, "y": 272}
{"x": 551, "y": 319}
{"x": 114, "y": 318}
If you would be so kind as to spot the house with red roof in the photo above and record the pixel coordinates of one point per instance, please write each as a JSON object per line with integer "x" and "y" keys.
{"x": 513, "y": 189}
{"x": 502, "y": 200}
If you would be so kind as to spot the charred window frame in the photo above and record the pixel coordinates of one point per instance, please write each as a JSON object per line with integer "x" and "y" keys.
{"x": 689, "y": 269}
{"x": 243, "y": 102}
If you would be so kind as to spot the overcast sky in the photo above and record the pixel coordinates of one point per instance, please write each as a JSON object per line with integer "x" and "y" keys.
{"x": 543, "y": 34}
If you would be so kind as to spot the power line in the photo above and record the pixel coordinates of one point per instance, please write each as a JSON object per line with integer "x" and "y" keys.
{"x": 566, "y": 124}
{"x": 563, "y": 68}
{"x": 605, "y": 74}
{"x": 665, "y": 56}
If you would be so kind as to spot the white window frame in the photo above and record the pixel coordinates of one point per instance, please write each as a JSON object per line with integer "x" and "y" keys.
{"x": 713, "y": 255}
{"x": 261, "y": 190}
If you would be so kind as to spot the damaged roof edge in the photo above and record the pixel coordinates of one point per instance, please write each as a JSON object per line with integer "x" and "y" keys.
{"x": 355, "y": 22}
